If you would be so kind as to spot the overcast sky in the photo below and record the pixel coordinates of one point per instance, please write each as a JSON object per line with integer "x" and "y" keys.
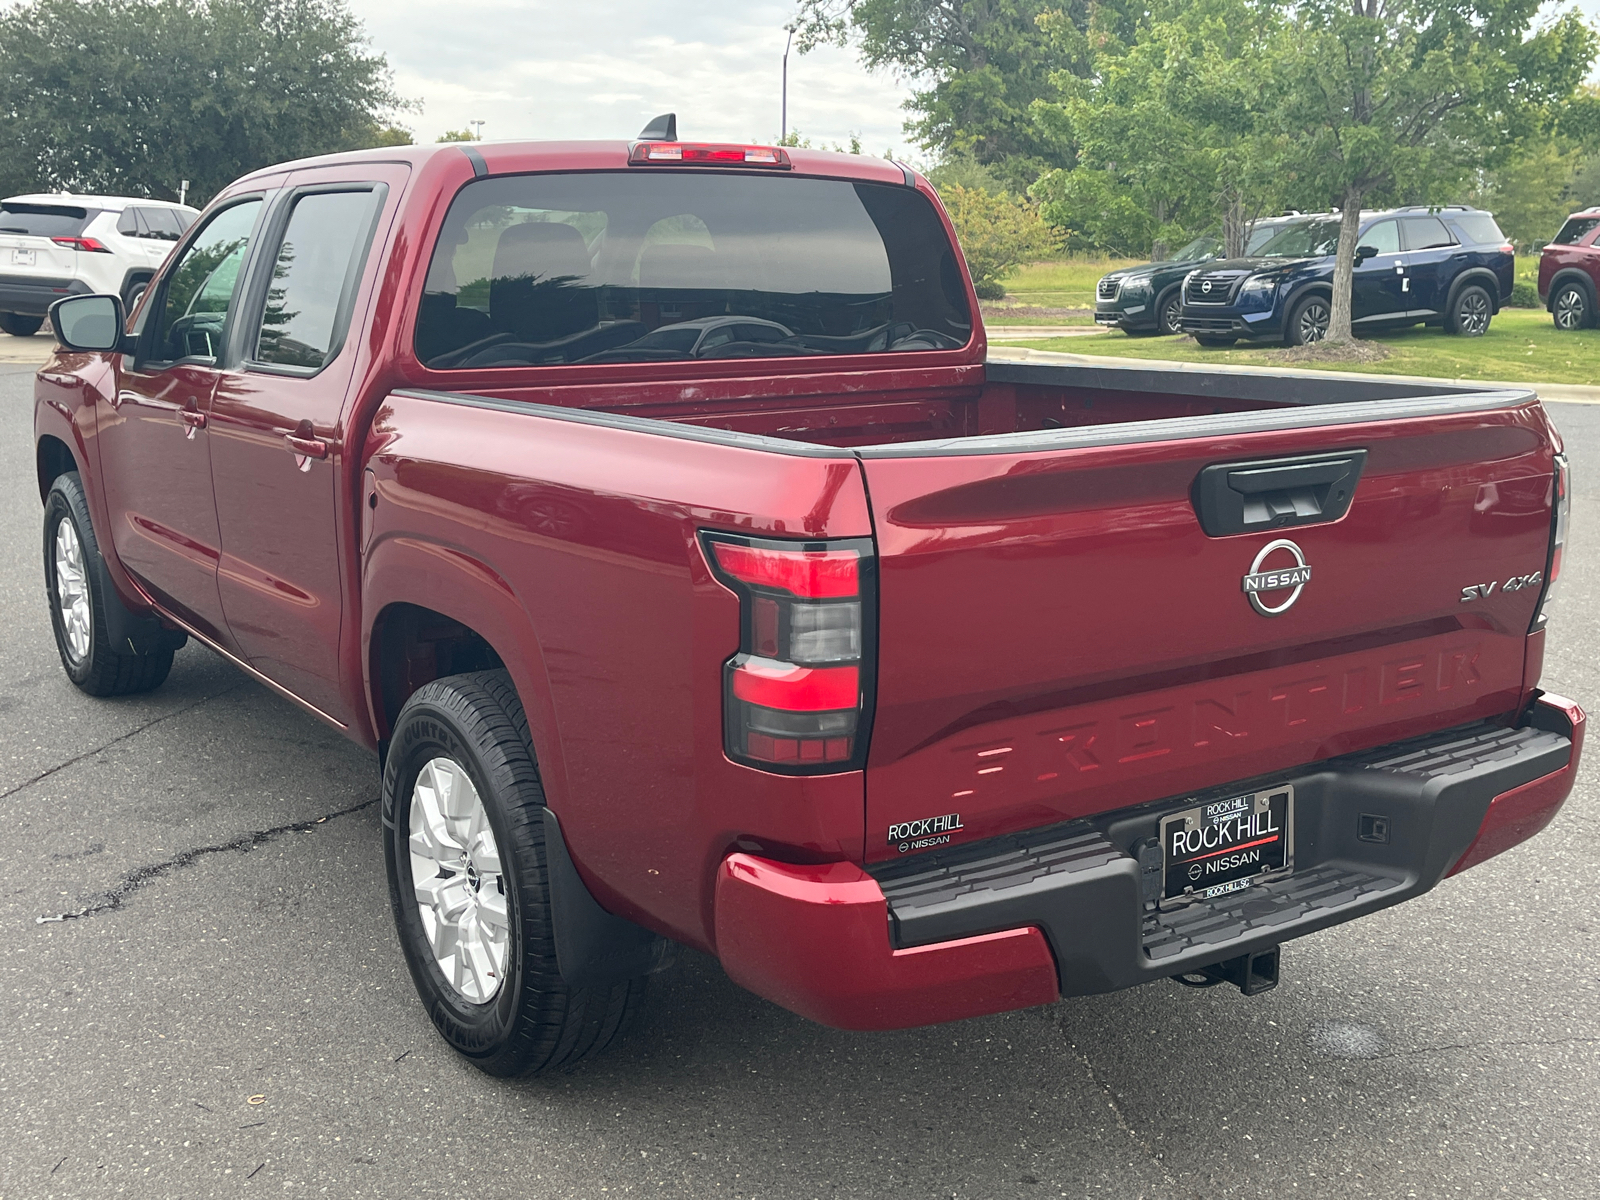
{"x": 602, "y": 68}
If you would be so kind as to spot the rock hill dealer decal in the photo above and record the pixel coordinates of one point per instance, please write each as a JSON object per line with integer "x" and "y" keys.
{"x": 1226, "y": 845}
{"x": 924, "y": 834}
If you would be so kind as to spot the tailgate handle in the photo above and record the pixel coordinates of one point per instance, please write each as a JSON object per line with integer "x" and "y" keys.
{"x": 1251, "y": 497}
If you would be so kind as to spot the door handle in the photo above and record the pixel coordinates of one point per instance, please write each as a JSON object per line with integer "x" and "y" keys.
{"x": 309, "y": 447}
{"x": 194, "y": 419}
{"x": 1245, "y": 497}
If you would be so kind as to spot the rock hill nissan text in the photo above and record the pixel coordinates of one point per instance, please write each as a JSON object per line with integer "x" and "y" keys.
{"x": 653, "y": 512}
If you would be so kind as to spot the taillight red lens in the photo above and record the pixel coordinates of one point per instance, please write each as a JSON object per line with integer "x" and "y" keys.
{"x": 89, "y": 245}
{"x": 796, "y": 696}
{"x": 707, "y": 154}
{"x": 1560, "y": 517}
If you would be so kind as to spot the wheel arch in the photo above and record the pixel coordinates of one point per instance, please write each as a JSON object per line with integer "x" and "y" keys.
{"x": 1484, "y": 278}
{"x": 1297, "y": 293}
{"x": 53, "y": 458}
{"x": 437, "y": 611}
{"x": 1568, "y": 275}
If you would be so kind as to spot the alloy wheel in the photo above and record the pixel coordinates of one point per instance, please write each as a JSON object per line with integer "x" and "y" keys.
{"x": 460, "y": 885}
{"x": 1569, "y": 311}
{"x": 1314, "y": 319}
{"x": 1472, "y": 313}
{"x": 72, "y": 592}
{"x": 1168, "y": 318}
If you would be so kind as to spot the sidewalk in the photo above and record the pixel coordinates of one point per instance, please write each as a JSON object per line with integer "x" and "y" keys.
{"x": 1562, "y": 393}
{"x": 33, "y": 349}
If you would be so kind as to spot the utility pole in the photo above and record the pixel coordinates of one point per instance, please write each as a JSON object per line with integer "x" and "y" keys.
{"x": 478, "y": 128}
{"x": 783, "y": 121}
{"x": 183, "y": 192}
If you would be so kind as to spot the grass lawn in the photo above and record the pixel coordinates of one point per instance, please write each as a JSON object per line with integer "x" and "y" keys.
{"x": 1522, "y": 346}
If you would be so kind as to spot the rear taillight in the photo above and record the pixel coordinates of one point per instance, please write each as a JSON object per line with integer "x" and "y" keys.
{"x": 89, "y": 245}
{"x": 675, "y": 154}
{"x": 797, "y": 696}
{"x": 1561, "y": 514}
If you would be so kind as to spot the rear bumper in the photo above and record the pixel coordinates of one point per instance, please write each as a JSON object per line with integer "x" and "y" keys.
{"x": 32, "y": 296}
{"x": 1069, "y": 910}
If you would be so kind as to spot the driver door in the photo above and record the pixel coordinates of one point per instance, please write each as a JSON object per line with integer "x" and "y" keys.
{"x": 155, "y": 451}
{"x": 1379, "y": 283}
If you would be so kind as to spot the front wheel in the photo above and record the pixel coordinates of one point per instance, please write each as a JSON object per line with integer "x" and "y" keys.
{"x": 1469, "y": 315}
{"x": 1570, "y": 307}
{"x": 1168, "y": 312}
{"x": 1309, "y": 322}
{"x": 469, "y": 882}
{"x": 76, "y": 586}
{"x": 18, "y": 325}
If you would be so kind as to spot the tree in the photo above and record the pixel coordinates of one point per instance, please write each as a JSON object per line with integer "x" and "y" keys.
{"x": 1531, "y": 192}
{"x": 996, "y": 232}
{"x": 978, "y": 64}
{"x": 456, "y": 135}
{"x": 1170, "y": 129}
{"x": 1401, "y": 98}
{"x": 131, "y": 96}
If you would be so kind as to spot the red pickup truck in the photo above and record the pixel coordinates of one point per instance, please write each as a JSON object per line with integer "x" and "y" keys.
{"x": 656, "y": 514}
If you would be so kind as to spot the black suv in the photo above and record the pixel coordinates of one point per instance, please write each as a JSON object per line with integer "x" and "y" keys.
{"x": 1445, "y": 266}
{"x": 1145, "y": 299}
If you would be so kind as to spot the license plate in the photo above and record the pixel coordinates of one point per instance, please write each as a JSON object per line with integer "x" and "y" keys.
{"x": 23, "y": 258}
{"x": 1227, "y": 845}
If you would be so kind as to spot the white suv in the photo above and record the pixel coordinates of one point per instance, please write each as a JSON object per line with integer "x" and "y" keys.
{"x": 63, "y": 245}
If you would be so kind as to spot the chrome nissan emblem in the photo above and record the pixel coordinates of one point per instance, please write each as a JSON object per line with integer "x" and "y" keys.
{"x": 1258, "y": 581}
{"x": 1205, "y": 285}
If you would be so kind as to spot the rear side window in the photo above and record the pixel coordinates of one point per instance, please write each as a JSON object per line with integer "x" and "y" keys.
{"x": 611, "y": 267}
{"x": 1575, "y": 230}
{"x": 44, "y": 220}
{"x": 312, "y": 278}
{"x": 1426, "y": 233}
{"x": 160, "y": 224}
{"x": 1479, "y": 229}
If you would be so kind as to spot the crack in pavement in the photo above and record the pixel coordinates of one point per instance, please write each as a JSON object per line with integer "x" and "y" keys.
{"x": 87, "y": 754}
{"x": 132, "y": 881}
{"x": 1114, "y": 1102}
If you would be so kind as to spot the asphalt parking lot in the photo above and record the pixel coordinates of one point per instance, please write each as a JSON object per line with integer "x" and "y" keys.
{"x": 232, "y": 1015}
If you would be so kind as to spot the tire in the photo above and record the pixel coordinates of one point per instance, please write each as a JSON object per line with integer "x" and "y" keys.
{"x": 1470, "y": 312}
{"x": 76, "y": 586}
{"x": 1570, "y": 307}
{"x": 1214, "y": 343}
{"x": 1308, "y": 321}
{"x": 1168, "y": 312}
{"x": 18, "y": 325}
{"x": 459, "y": 742}
{"x": 130, "y": 298}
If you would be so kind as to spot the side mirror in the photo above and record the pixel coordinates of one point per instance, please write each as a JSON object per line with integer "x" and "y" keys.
{"x": 1365, "y": 252}
{"x": 89, "y": 323}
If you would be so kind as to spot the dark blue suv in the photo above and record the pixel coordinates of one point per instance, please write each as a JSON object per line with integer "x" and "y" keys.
{"x": 1448, "y": 266}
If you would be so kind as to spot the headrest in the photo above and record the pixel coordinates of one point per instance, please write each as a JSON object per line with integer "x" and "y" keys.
{"x": 676, "y": 266}
{"x": 540, "y": 249}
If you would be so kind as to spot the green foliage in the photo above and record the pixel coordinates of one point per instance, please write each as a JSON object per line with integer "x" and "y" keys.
{"x": 392, "y": 135}
{"x": 795, "y": 139}
{"x": 1529, "y": 191}
{"x": 984, "y": 63}
{"x": 1524, "y": 295}
{"x": 997, "y": 233}
{"x": 456, "y": 135}
{"x": 132, "y": 96}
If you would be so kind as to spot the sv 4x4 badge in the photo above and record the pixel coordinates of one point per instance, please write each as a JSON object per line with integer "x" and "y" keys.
{"x": 1482, "y": 591}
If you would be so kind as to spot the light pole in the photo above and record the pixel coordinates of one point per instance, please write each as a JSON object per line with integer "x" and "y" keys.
{"x": 783, "y": 121}
{"x": 478, "y": 126}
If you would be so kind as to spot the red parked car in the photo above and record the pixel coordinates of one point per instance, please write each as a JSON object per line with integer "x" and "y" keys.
{"x": 654, "y": 513}
{"x": 1569, "y": 270}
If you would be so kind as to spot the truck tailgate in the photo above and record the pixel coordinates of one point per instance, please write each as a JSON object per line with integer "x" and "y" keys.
{"x": 1060, "y": 637}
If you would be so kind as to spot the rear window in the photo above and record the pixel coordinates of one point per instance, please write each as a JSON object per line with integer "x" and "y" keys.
{"x": 1575, "y": 230}
{"x": 43, "y": 220}
{"x": 1478, "y": 229}
{"x": 665, "y": 266}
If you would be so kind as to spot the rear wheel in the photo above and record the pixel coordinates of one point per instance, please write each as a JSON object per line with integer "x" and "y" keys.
{"x": 470, "y": 886}
{"x": 1309, "y": 321}
{"x": 1469, "y": 315}
{"x": 75, "y": 582}
{"x": 1214, "y": 343}
{"x": 1570, "y": 307}
{"x": 1168, "y": 312}
{"x": 136, "y": 289}
{"x": 18, "y": 325}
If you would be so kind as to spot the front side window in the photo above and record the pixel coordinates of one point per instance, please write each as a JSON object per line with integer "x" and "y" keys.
{"x": 311, "y": 277}
{"x": 1384, "y": 237}
{"x": 1575, "y": 230}
{"x": 667, "y": 266}
{"x": 200, "y": 290}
